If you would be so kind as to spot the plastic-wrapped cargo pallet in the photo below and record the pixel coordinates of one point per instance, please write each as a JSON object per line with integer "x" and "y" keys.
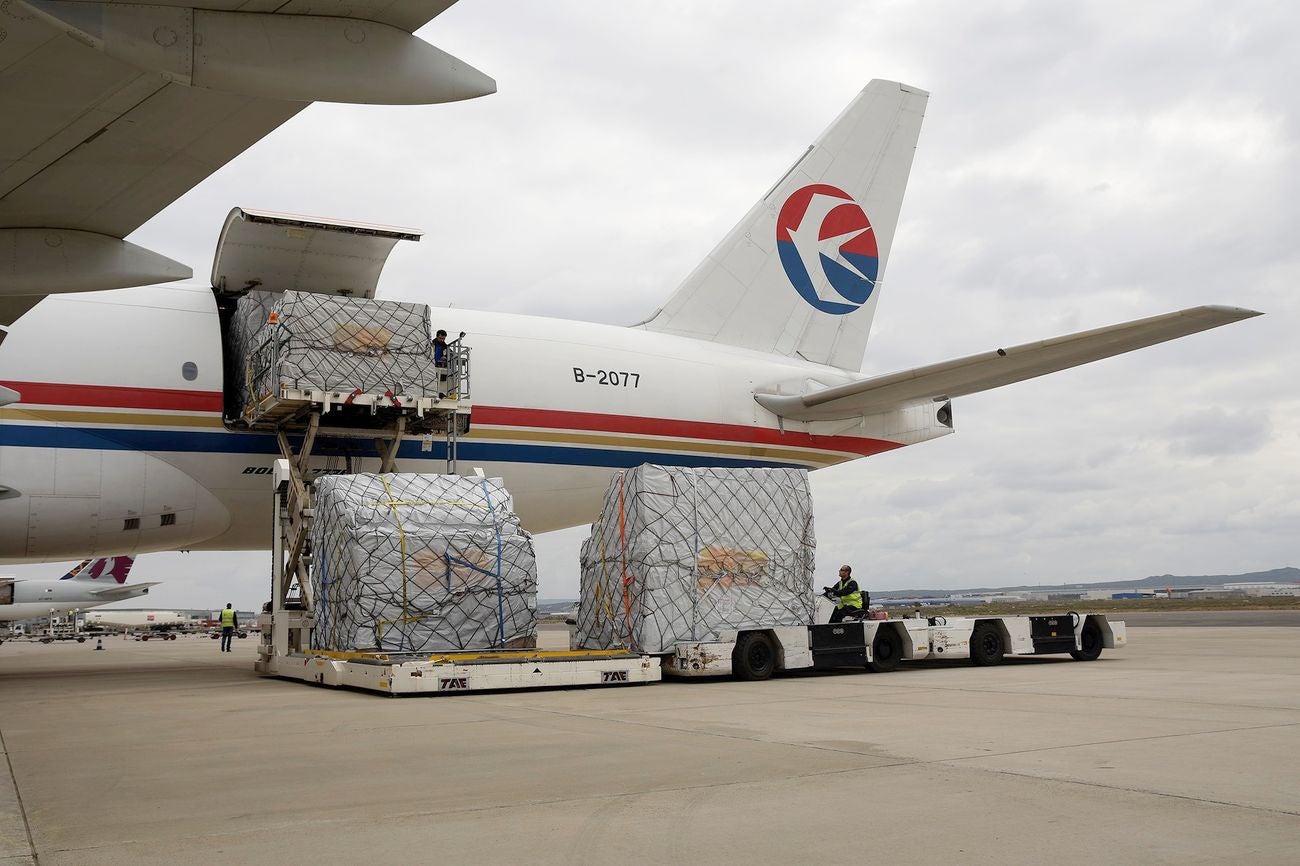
{"x": 329, "y": 343}
{"x": 420, "y": 563}
{"x": 678, "y": 554}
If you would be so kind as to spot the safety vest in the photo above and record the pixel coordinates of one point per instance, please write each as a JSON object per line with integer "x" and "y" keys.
{"x": 228, "y": 618}
{"x": 853, "y": 599}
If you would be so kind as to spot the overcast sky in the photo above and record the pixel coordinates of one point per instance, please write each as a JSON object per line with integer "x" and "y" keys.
{"x": 1080, "y": 164}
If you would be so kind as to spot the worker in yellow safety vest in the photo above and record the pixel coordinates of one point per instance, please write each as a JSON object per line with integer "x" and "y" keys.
{"x": 228, "y": 623}
{"x": 846, "y": 594}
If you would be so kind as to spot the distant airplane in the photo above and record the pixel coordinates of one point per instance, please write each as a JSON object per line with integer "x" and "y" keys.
{"x": 93, "y": 583}
{"x": 130, "y": 446}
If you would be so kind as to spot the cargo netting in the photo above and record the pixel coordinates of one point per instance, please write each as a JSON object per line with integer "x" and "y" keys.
{"x": 681, "y": 554}
{"x": 329, "y": 343}
{"x": 420, "y": 563}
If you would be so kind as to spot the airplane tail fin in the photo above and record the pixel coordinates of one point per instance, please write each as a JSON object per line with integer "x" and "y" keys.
{"x": 112, "y": 569}
{"x": 800, "y": 274}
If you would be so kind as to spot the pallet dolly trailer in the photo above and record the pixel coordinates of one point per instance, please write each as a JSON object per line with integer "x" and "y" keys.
{"x": 882, "y": 645}
{"x": 399, "y": 674}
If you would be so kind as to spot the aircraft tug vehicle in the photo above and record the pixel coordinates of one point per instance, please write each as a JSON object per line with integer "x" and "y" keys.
{"x": 882, "y": 645}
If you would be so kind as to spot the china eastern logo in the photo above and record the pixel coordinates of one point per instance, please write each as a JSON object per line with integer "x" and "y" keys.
{"x": 828, "y": 248}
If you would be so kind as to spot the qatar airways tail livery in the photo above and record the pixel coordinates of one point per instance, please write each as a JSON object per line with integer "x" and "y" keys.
{"x": 90, "y": 584}
{"x": 753, "y": 361}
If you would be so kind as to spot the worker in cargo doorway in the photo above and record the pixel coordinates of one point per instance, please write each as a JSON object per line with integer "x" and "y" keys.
{"x": 440, "y": 348}
{"x": 228, "y": 623}
{"x": 846, "y": 595}
{"x": 440, "y": 360}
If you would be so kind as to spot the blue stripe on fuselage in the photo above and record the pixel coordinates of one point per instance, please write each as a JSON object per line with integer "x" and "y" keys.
{"x": 230, "y": 442}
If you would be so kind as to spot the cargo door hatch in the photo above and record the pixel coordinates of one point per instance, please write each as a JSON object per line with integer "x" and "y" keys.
{"x": 277, "y": 252}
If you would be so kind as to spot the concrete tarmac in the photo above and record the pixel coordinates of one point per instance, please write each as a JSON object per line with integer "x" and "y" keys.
{"x": 1170, "y": 618}
{"x": 1179, "y": 749}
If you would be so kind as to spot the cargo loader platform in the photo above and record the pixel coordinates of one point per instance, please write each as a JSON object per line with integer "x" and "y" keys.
{"x": 354, "y": 409}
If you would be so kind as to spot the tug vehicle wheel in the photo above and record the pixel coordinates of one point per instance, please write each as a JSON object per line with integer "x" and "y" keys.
{"x": 1090, "y": 641}
{"x": 886, "y": 652}
{"x": 986, "y": 645}
{"x": 754, "y": 657}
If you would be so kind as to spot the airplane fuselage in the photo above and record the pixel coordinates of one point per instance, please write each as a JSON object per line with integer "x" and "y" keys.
{"x": 38, "y": 598}
{"x": 119, "y": 444}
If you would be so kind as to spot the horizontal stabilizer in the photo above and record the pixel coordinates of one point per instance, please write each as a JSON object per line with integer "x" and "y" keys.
{"x": 131, "y": 590}
{"x": 987, "y": 370}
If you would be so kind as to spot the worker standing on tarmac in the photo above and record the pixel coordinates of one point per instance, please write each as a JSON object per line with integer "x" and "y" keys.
{"x": 228, "y": 622}
{"x": 848, "y": 598}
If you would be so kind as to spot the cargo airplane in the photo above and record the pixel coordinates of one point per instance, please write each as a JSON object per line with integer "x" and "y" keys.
{"x": 124, "y": 446}
{"x": 90, "y": 584}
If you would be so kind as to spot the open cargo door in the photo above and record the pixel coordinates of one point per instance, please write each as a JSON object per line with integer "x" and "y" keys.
{"x": 276, "y": 252}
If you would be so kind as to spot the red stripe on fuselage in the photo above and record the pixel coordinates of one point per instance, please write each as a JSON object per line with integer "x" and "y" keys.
{"x": 115, "y": 397}
{"x": 108, "y": 396}
{"x": 556, "y": 419}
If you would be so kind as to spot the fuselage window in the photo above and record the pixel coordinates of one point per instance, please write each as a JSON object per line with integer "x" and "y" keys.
{"x": 190, "y": 371}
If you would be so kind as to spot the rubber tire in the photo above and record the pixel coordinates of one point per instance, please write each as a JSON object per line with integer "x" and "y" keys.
{"x": 754, "y": 657}
{"x": 1091, "y": 641}
{"x": 886, "y": 652}
{"x": 986, "y": 647}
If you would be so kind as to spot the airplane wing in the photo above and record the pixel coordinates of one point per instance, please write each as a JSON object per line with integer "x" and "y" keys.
{"x": 987, "y": 370}
{"x": 114, "y": 110}
{"x": 130, "y": 590}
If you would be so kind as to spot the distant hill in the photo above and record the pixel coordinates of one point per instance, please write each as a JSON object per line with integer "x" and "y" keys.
{"x": 1158, "y": 581}
{"x": 555, "y": 605}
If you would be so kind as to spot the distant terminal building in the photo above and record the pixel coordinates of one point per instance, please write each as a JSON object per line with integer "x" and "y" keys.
{"x": 1266, "y": 590}
{"x": 1063, "y": 594}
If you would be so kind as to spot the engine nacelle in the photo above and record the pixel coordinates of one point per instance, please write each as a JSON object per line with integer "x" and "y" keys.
{"x": 72, "y": 503}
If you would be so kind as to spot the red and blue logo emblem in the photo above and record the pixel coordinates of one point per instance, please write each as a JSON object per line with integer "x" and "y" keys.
{"x": 828, "y": 248}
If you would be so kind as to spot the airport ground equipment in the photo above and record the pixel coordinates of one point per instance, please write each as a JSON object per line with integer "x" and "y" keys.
{"x": 443, "y": 673}
{"x": 319, "y": 369}
{"x": 882, "y": 645}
